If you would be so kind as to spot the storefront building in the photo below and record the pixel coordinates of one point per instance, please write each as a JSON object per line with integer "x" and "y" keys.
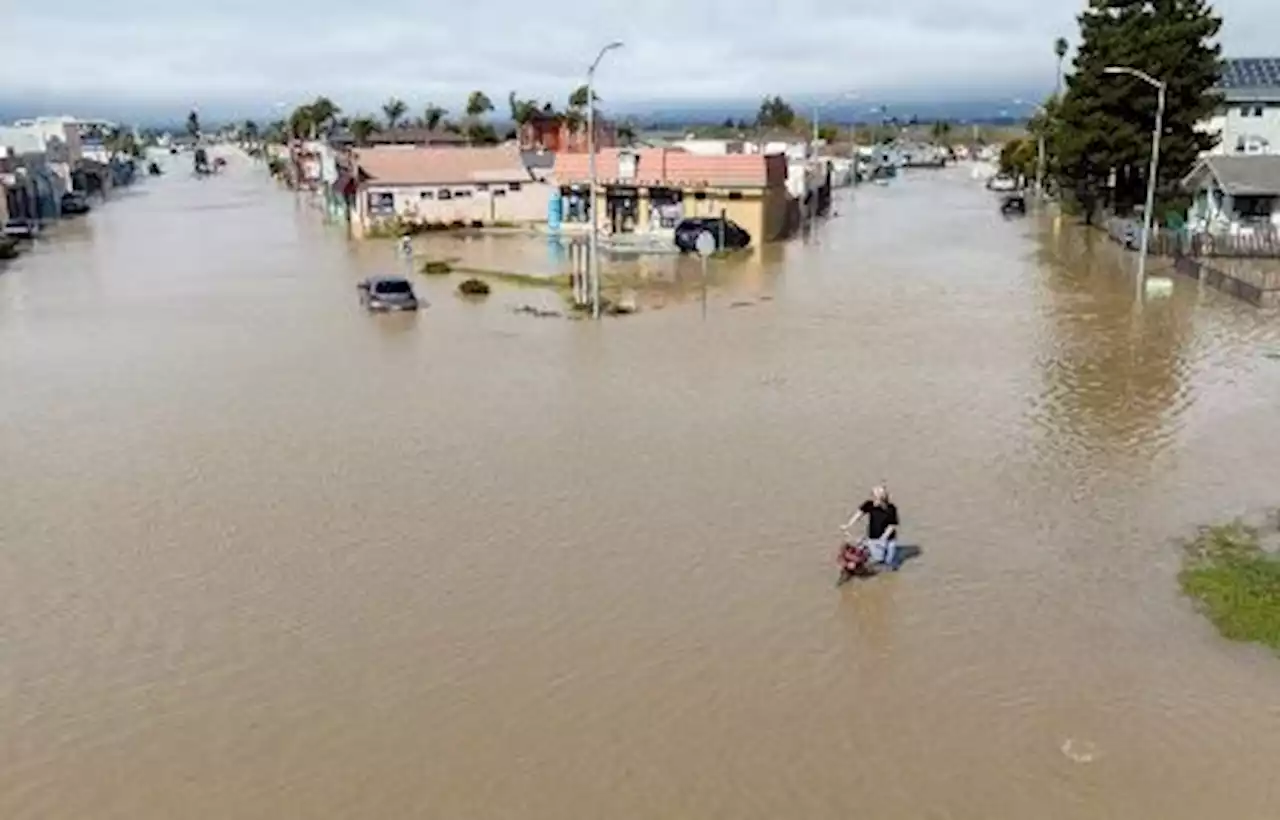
{"x": 650, "y": 190}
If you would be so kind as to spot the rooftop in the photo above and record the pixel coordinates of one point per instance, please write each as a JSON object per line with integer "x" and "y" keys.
{"x": 1250, "y": 72}
{"x": 1241, "y": 176}
{"x": 669, "y": 166}
{"x": 441, "y": 166}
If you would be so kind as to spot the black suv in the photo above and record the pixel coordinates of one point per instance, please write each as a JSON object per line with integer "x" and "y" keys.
{"x": 728, "y": 234}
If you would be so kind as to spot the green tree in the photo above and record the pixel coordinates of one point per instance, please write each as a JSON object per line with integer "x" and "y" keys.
{"x": 1018, "y": 158}
{"x": 578, "y": 98}
{"x": 478, "y": 104}
{"x": 522, "y": 111}
{"x": 394, "y": 110}
{"x": 626, "y": 134}
{"x": 941, "y": 132}
{"x": 1106, "y": 120}
{"x": 362, "y": 128}
{"x": 432, "y": 115}
{"x": 481, "y": 133}
{"x": 1060, "y": 48}
{"x": 249, "y": 131}
{"x": 193, "y": 124}
{"x": 775, "y": 112}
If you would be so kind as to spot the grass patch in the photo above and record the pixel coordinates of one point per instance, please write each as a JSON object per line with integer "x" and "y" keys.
{"x": 529, "y": 280}
{"x": 1234, "y": 582}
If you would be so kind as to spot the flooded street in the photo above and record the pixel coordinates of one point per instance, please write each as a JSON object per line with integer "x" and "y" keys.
{"x": 267, "y": 556}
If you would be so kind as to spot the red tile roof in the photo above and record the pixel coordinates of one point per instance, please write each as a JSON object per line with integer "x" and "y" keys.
{"x": 440, "y": 166}
{"x": 669, "y": 166}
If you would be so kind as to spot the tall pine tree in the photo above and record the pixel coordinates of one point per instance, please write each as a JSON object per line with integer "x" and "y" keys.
{"x": 1106, "y": 120}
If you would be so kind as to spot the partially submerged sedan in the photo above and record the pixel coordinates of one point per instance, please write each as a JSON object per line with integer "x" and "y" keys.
{"x": 387, "y": 293}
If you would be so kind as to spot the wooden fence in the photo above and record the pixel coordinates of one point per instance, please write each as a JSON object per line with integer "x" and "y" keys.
{"x": 1260, "y": 244}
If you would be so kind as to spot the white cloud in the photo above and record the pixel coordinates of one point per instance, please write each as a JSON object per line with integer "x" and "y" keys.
{"x": 361, "y": 53}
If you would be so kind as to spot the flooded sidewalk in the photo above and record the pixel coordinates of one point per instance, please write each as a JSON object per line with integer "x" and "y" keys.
{"x": 270, "y": 556}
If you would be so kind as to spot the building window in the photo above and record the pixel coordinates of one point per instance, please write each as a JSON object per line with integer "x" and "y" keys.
{"x": 700, "y": 195}
{"x": 461, "y": 193}
{"x": 445, "y": 193}
{"x": 482, "y": 186}
{"x": 1244, "y": 112}
{"x": 1239, "y": 145}
{"x": 499, "y": 192}
{"x": 427, "y": 195}
{"x": 1255, "y": 208}
{"x": 381, "y": 203}
{"x": 735, "y": 195}
{"x": 1257, "y": 111}
{"x": 514, "y": 186}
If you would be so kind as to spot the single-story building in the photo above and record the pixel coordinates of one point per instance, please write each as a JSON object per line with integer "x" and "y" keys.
{"x": 1234, "y": 194}
{"x": 652, "y": 189}
{"x": 445, "y": 186}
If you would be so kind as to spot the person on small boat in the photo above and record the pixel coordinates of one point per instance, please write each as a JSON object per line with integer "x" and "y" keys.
{"x": 882, "y": 527}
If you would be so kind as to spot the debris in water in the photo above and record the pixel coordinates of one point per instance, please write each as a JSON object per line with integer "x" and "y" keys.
{"x": 1080, "y": 751}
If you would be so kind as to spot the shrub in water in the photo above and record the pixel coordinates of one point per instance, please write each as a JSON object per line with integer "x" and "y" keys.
{"x": 436, "y": 266}
{"x": 474, "y": 287}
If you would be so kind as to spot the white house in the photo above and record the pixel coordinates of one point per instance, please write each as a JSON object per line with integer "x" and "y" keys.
{"x": 1249, "y": 120}
{"x": 1235, "y": 195}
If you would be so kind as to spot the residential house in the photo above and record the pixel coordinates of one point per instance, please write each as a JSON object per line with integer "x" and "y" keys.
{"x": 552, "y": 132}
{"x": 1248, "y": 122}
{"x": 1235, "y": 195}
{"x": 445, "y": 186}
{"x": 652, "y": 189}
{"x": 808, "y": 176}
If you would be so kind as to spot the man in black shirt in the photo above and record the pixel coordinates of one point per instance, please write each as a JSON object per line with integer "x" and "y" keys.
{"x": 882, "y": 526}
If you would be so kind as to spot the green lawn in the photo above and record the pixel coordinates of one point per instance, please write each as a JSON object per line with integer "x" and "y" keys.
{"x": 1235, "y": 582}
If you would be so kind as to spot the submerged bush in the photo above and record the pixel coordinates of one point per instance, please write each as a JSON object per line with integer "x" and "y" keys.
{"x": 474, "y": 287}
{"x": 1234, "y": 582}
{"x": 436, "y": 267}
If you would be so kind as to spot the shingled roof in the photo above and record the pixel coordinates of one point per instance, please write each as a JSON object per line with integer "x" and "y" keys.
{"x": 1257, "y": 175}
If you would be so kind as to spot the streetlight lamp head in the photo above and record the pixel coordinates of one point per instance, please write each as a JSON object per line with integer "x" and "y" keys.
{"x": 613, "y": 45}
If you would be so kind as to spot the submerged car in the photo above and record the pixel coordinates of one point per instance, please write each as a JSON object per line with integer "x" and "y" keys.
{"x": 20, "y": 229}
{"x": 728, "y": 234}
{"x": 74, "y": 204}
{"x": 387, "y": 293}
{"x": 1013, "y": 204}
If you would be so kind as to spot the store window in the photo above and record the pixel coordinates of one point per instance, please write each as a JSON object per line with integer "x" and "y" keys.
{"x": 381, "y": 203}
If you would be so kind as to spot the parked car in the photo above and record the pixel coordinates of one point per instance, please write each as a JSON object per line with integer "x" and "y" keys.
{"x": 74, "y": 204}
{"x": 1002, "y": 182}
{"x": 1013, "y": 204}
{"x": 21, "y": 228}
{"x": 387, "y": 293}
{"x": 728, "y": 234}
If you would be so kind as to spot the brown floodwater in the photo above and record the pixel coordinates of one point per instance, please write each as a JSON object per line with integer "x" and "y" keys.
{"x": 266, "y": 556}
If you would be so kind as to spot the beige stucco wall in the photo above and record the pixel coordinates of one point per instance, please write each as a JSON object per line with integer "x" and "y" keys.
{"x": 527, "y": 205}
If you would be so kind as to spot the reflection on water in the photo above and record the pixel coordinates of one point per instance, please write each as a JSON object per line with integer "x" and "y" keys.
{"x": 1116, "y": 366}
{"x": 269, "y": 556}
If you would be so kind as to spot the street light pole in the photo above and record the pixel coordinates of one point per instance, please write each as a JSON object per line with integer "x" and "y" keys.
{"x": 593, "y": 263}
{"x": 1155, "y": 161}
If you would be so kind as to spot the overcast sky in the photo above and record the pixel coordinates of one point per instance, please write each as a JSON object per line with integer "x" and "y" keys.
{"x": 360, "y": 53}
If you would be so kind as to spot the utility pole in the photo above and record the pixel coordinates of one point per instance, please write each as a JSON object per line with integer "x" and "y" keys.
{"x": 593, "y": 266}
{"x": 1155, "y": 163}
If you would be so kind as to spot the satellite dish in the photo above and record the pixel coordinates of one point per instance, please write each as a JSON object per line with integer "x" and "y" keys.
{"x": 705, "y": 244}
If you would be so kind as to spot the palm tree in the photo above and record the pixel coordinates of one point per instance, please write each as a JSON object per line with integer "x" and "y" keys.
{"x": 432, "y": 116}
{"x": 578, "y": 99}
{"x": 193, "y": 124}
{"x": 478, "y": 104}
{"x": 1060, "y": 47}
{"x": 362, "y": 128}
{"x": 394, "y": 109}
{"x": 322, "y": 115}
